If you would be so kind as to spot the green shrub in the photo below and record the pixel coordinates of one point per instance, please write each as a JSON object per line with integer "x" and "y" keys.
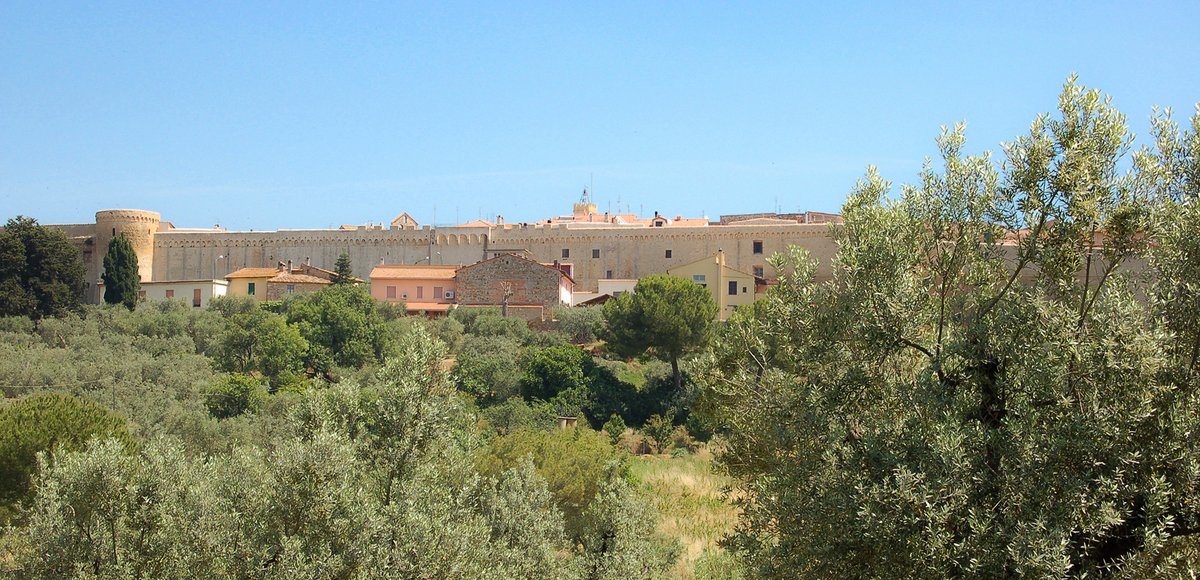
{"x": 574, "y": 462}
{"x": 615, "y": 427}
{"x": 659, "y": 429}
{"x": 515, "y": 414}
{"x": 235, "y": 394}
{"x": 581, "y": 324}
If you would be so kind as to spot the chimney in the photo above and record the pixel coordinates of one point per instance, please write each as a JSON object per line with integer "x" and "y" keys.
{"x": 289, "y": 267}
{"x": 499, "y": 220}
{"x": 307, "y": 261}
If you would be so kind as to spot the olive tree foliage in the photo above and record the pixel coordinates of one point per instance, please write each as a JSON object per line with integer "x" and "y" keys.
{"x": 996, "y": 380}
{"x": 375, "y": 481}
{"x": 581, "y": 324}
{"x": 665, "y": 316}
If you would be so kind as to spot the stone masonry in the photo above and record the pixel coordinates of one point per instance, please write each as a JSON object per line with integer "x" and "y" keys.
{"x": 531, "y": 282}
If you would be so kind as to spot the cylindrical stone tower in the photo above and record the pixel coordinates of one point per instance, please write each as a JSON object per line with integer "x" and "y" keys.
{"x": 137, "y": 225}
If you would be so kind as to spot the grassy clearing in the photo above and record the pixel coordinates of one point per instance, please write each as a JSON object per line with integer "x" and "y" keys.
{"x": 688, "y": 495}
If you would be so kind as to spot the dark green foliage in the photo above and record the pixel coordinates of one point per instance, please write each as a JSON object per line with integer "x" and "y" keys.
{"x": 121, "y": 278}
{"x": 233, "y": 395}
{"x": 609, "y": 394}
{"x": 615, "y": 427}
{"x": 343, "y": 271}
{"x": 659, "y": 428}
{"x": 342, "y": 324}
{"x": 665, "y": 317}
{"x": 257, "y": 341}
{"x": 550, "y": 371}
{"x": 45, "y": 422}
{"x": 41, "y": 272}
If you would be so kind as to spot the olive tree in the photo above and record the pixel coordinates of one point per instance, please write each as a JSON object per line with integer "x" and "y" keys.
{"x": 998, "y": 378}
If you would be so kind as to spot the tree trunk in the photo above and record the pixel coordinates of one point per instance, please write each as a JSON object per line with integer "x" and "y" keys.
{"x": 676, "y": 375}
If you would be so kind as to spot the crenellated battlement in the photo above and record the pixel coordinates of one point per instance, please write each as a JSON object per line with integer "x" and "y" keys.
{"x": 598, "y": 250}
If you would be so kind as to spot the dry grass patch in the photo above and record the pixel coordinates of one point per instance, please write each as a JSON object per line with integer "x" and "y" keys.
{"x": 690, "y": 499}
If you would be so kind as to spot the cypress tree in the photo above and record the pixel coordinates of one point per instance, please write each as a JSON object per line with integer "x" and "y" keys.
{"x": 343, "y": 271}
{"x": 121, "y": 279}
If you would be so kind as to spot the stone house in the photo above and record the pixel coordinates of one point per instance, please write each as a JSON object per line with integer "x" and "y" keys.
{"x": 513, "y": 280}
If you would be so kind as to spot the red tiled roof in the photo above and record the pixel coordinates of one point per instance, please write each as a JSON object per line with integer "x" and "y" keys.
{"x": 298, "y": 279}
{"x": 254, "y": 273}
{"x": 428, "y": 306}
{"x": 414, "y": 271}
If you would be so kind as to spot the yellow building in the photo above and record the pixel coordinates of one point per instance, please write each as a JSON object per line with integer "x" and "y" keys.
{"x": 251, "y": 282}
{"x": 730, "y": 288}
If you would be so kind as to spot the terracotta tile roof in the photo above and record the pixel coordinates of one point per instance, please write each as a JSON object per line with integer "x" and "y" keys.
{"x": 476, "y": 224}
{"x": 428, "y": 306}
{"x": 414, "y": 271}
{"x": 254, "y": 273}
{"x": 298, "y": 279}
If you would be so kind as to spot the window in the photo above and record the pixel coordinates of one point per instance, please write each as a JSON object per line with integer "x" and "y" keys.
{"x": 596, "y": 253}
{"x": 743, "y": 289}
{"x": 391, "y": 292}
{"x": 291, "y": 289}
{"x": 170, "y": 293}
{"x": 758, "y": 246}
{"x": 658, "y": 223}
{"x": 758, "y": 272}
{"x": 420, "y": 291}
{"x": 250, "y": 289}
{"x": 437, "y": 293}
{"x": 196, "y": 298}
{"x": 668, "y": 253}
{"x": 608, "y": 274}
{"x": 698, "y": 278}
{"x": 733, "y": 287}
{"x": 566, "y": 252}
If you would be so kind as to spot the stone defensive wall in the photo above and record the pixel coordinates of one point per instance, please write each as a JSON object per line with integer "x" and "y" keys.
{"x": 596, "y": 250}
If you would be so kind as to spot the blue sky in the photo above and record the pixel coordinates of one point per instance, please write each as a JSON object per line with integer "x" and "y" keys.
{"x": 264, "y": 115}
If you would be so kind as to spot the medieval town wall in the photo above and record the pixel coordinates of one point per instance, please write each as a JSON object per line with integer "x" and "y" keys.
{"x": 165, "y": 253}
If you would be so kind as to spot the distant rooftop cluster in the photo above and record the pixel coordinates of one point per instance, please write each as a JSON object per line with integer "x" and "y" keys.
{"x": 585, "y": 213}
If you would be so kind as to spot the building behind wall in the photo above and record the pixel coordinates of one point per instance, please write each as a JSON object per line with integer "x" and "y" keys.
{"x": 598, "y": 246}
